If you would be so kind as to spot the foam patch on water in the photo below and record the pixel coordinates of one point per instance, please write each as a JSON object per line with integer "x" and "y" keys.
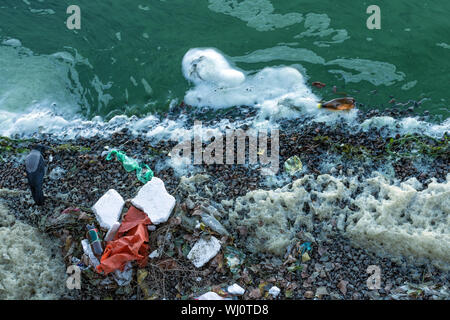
{"x": 31, "y": 266}
{"x": 219, "y": 85}
{"x": 390, "y": 218}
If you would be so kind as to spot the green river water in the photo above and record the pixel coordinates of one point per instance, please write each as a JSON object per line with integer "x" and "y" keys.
{"x": 132, "y": 49}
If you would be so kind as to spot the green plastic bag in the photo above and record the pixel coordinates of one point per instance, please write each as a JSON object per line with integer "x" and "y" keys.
{"x": 131, "y": 164}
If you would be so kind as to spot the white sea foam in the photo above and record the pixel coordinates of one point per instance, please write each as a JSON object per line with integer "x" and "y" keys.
{"x": 218, "y": 85}
{"x": 391, "y": 218}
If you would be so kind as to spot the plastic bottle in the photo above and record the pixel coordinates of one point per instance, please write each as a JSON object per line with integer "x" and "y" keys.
{"x": 338, "y": 104}
{"x": 94, "y": 240}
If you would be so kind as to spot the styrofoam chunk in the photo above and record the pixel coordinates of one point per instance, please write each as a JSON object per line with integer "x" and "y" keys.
{"x": 274, "y": 291}
{"x": 210, "y": 296}
{"x": 154, "y": 200}
{"x": 236, "y": 289}
{"x": 108, "y": 208}
{"x": 203, "y": 251}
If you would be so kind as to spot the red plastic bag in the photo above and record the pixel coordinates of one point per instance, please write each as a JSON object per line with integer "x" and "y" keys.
{"x": 129, "y": 244}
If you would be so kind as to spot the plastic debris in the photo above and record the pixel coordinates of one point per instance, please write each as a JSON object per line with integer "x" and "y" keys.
{"x": 203, "y": 251}
{"x": 339, "y": 104}
{"x": 123, "y": 278}
{"x": 108, "y": 208}
{"x": 293, "y": 165}
{"x": 305, "y": 257}
{"x": 306, "y": 246}
{"x": 129, "y": 244}
{"x": 94, "y": 240}
{"x": 112, "y": 231}
{"x": 214, "y": 224}
{"x": 318, "y": 84}
{"x": 131, "y": 164}
{"x": 234, "y": 259}
{"x": 210, "y": 296}
{"x": 274, "y": 291}
{"x": 88, "y": 251}
{"x": 154, "y": 254}
{"x": 154, "y": 200}
{"x": 236, "y": 290}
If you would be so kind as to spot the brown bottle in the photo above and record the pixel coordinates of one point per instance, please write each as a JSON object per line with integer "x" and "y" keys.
{"x": 338, "y": 104}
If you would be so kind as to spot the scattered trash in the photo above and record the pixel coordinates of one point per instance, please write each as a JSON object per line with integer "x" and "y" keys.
{"x": 214, "y": 224}
{"x": 203, "y": 251}
{"x": 236, "y": 290}
{"x": 234, "y": 259}
{"x": 306, "y": 246}
{"x": 108, "y": 209}
{"x": 274, "y": 291}
{"x": 305, "y": 257}
{"x": 79, "y": 264}
{"x": 154, "y": 200}
{"x": 338, "y": 104}
{"x": 154, "y": 254}
{"x": 112, "y": 231}
{"x": 123, "y": 278}
{"x": 129, "y": 244}
{"x": 88, "y": 252}
{"x": 210, "y": 296}
{"x": 131, "y": 164}
{"x": 318, "y": 84}
{"x": 293, "y": 165}
{"x": 94, "y": 240}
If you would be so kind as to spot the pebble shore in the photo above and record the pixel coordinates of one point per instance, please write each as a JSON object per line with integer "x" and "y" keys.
{"x": 337, "y": 268}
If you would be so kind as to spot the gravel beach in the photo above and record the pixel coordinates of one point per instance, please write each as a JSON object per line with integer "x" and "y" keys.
{"x": 335, "y": 267}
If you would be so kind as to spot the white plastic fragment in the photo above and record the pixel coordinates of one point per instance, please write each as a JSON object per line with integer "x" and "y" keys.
{"x": 203, "y": 251}
{"x": 123, "y": 278}
{"x": 154, "y": 254}
{"x": 154, "y": 200}
{"x": 112, "y": 231}
{"x": 210, "y": 296}
{"x": 274, "y": 291}
{"x": 108, "y": 208}
{"x": 236, "y": 289}
{"x": 88, "y": 251}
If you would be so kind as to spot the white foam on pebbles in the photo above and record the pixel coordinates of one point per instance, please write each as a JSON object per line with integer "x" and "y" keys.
{"x": 390, "y": 218}
{"x": 31, "y": 266}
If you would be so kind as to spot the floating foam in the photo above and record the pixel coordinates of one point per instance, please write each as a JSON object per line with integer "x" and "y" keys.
{"x": 218, "y": 85}
{"x": 390, "y": 218}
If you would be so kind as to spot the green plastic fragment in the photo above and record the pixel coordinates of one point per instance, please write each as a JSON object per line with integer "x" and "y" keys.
{"x": 234, "y": 259}
{"x": 293, "y": 165}
{"x": 131, "y": 164}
